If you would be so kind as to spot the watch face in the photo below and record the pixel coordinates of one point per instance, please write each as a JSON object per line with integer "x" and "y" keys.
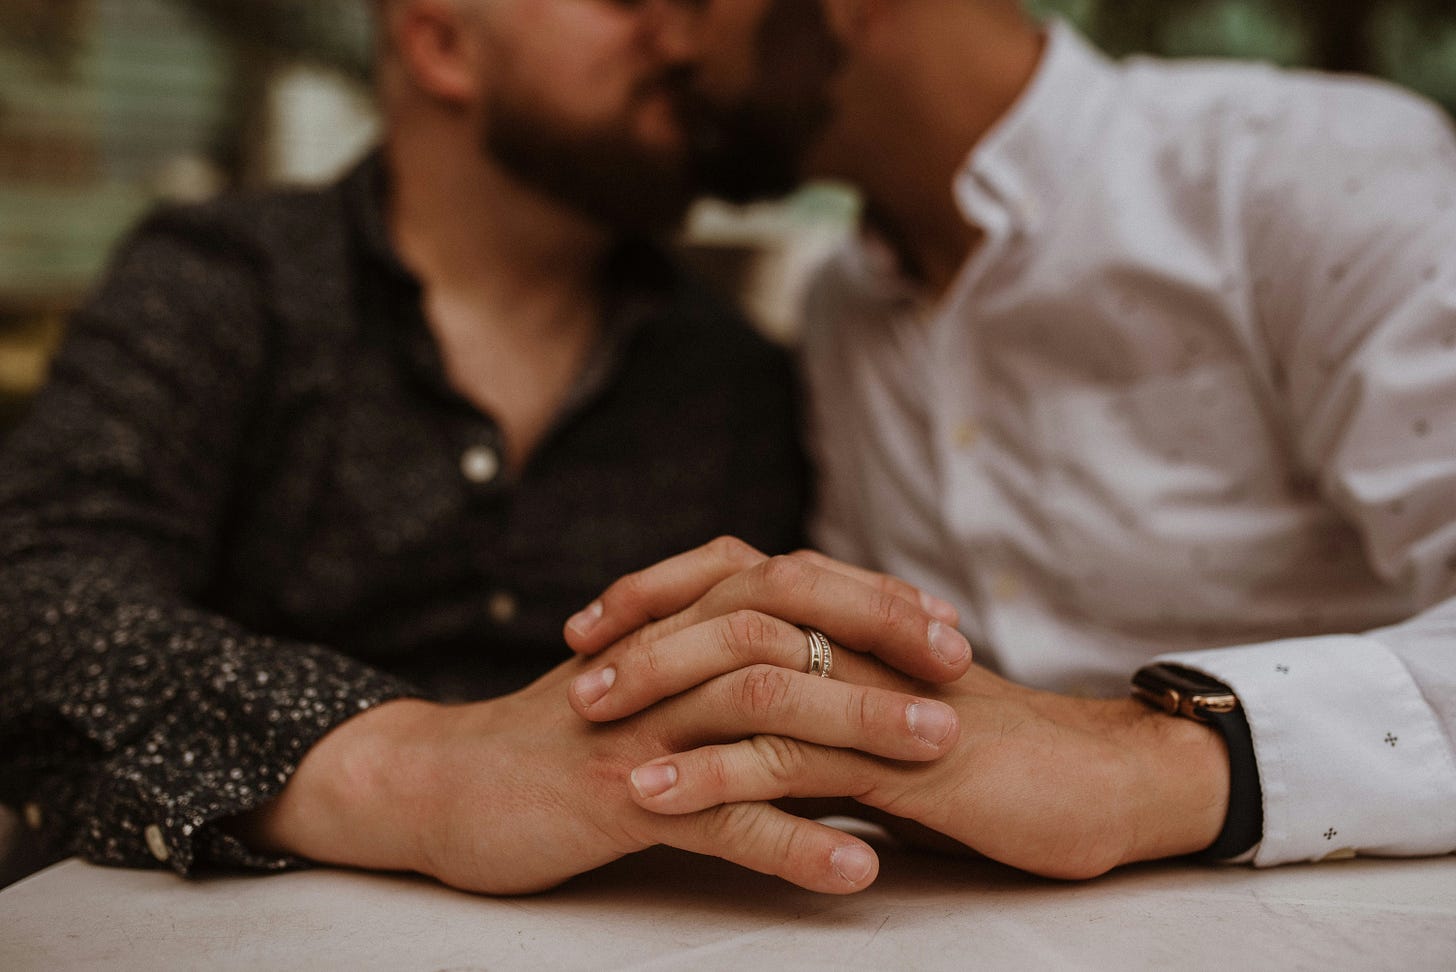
{"x": 1184, "y": 680}
{"x": 1180, "y": 691}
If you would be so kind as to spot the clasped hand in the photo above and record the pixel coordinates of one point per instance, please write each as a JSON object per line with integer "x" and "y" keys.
{"x": 519, "y": 793}
{"x": 1060, "y": 786}
{"x": 690, "y": 712}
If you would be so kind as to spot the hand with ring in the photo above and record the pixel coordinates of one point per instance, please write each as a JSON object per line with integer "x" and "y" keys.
{"x": 518, "y": 793}
{"x": 725, "y": 609}
{"x": 1061, "y": 786}
{"x": 821, "y": 653}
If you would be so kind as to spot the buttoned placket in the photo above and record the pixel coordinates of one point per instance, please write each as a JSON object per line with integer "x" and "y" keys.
{"x": 958, "y": 389}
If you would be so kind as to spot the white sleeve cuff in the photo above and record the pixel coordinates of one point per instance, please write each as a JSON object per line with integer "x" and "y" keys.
{"x": 1351, "y": 757}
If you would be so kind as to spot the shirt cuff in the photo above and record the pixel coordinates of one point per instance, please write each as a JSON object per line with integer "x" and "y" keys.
{"x": 1351, "y": 758}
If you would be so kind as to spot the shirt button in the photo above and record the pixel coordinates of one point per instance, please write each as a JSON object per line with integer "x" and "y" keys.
{"x": 1007, "y": 586}
{"x": 34, "y": 816}
{"x": 480, "y": 464}
{"x": 966, "y": 434}
{"x": 502, "y": 607}
{"x": 156, "y": 843}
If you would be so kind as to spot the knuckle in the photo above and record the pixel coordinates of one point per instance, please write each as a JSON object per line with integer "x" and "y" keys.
{"x": 786, "y": 573}
{"x": 731, "y": 823}
{"x": 648, "y": 660}
{"x": 808, "y": 556}
{"x": 629, "y": 591}
{"x": 779, "y": 757}
{"x": 889, "y": 612}
{"x": 733, "y": 551}
{"x": 748, "y": 634}
{"x": 887, "y": 584}
{"x": 762, "y": 689}
{"x": 796, "y": 849}
{"x": 714, "y": 773}
{"x": 862, "y": 709}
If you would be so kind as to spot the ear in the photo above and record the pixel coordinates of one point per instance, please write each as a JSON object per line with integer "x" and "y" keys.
{"x": 440, "y": 48}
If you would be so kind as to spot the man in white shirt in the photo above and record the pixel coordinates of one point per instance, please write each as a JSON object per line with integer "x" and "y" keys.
{"x": 1138, "y": 363}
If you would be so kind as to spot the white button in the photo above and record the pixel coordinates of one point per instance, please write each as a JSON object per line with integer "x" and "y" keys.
{"x": 34, "y": 816}
{"x": 480, "y": 464}
{"x": 966, "y": 434}
{"x": 1007, "y": 586}
{"x": 503, "y": 608}
{"x": 156, "y": 843}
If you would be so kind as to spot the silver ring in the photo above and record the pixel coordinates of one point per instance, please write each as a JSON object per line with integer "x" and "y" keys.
{"x": 821, "y": 654}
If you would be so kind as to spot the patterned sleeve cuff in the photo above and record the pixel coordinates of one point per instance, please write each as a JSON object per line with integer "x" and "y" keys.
{"x": 159, "y": 802}
{"x": 1351, "y": 758}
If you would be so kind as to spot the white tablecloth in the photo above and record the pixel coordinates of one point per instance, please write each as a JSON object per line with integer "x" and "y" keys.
{"x": 666, "y": 910}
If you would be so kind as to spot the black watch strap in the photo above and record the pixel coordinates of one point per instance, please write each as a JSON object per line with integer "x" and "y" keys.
{"x": 1177, "y": 690}
{"x": 1244, "y": 825}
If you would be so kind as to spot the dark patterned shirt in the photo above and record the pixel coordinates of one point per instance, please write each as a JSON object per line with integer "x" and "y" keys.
{"x": 249, "y": 505}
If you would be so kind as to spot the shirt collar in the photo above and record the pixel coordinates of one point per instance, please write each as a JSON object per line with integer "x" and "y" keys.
{"x": 1035, "y": 155}
{"x": 366, "y": 191}
{"x": 639, "y": 284}
{"x": 1031, "y": 159}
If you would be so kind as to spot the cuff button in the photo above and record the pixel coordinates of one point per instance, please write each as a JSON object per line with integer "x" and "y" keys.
{"x": 156, "y": 843}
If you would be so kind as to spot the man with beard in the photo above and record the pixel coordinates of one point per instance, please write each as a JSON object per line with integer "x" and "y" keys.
{"x": 1151, "y": 370}
{"x": 312, "y": 463}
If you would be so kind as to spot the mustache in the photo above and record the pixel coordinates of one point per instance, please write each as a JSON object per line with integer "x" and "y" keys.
{"x": 676, "y": 82}
{"x": 706, "y": 122}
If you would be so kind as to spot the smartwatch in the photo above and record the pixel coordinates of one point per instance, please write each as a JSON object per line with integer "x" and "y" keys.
{"x": 1192, "y": 695}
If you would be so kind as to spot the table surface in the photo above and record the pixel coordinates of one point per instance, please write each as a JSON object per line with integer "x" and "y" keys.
{"x": 668, "y": 910}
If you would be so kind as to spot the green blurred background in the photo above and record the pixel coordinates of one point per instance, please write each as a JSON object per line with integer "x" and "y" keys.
{"x": 109, "y": 105}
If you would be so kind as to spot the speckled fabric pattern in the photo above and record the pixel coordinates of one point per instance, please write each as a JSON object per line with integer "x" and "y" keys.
{"x": 249, "y": 506}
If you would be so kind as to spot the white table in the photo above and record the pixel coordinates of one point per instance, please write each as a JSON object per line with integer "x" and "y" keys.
{"x": 665, "y": 910}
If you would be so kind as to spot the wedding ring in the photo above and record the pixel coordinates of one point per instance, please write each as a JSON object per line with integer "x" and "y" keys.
{"x": 821, "y": 655}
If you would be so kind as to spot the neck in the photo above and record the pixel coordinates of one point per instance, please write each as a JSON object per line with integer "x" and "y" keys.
{"x": 469, "y": 230}
{"x": 510, "y": 280}
{"x": 939, "y": 81}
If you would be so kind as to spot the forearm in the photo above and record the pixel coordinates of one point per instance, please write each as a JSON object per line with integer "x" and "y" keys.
{"x": 362, "y": 797}
{"x": 136, "y": 721}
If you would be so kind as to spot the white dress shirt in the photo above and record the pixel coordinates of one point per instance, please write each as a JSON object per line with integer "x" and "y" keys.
{"x": 1193, "y": 396}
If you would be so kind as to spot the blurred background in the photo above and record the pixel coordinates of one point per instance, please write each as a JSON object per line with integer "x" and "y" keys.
{"x": 107, "y": 106}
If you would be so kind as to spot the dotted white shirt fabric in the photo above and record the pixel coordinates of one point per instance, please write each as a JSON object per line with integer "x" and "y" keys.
{"x": 1193, "y": 397}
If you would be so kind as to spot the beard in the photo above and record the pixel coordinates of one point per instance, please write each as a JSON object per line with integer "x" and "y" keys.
{"x": 746, "y": 150}
{"x": 757, "y": 147}
{"x": 604, "y": 174}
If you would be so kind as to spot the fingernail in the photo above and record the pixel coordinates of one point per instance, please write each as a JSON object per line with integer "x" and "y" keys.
{"x": 593, "y": 685}
{"x": 930, "y": 722}
{"x": 651, "y": 781}
{"x": 852, "y": 862}
{"x": 948, "y": 644}
{"x": 584, "y": 620}
{"x": 937, "y": 608}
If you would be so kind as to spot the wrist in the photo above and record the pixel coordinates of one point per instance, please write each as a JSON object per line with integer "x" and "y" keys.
{"x": 1180, "y": 795}
{"x": 357, "y": 798}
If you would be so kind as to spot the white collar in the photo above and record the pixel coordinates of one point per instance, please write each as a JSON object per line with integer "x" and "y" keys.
{"x": 1023, "y": 166}
{"x": 1033, "y": 156}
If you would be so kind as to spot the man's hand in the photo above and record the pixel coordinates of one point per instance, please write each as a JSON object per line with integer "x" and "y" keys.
{"x": 518, "y": 794}
{"x": 1062, "y": 787}
{"x": 727, "y": 579}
